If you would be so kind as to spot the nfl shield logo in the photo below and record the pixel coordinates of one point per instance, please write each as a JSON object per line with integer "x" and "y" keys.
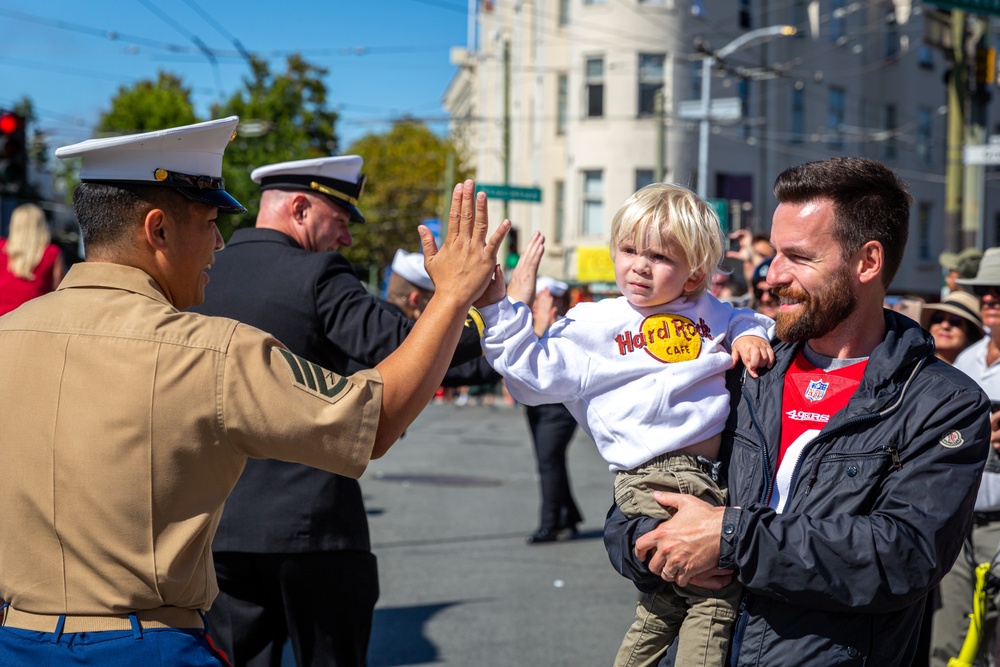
{"x": 816, "y": 390}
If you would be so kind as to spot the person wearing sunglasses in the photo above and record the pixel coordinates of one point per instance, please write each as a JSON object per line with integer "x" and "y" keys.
{"x": 764, "y": 301}
{"x": 981, "y": 362}
{"x": 954, "y": 323}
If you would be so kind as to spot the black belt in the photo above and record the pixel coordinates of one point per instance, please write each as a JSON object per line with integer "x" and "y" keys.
{"x": 983, "y": 518}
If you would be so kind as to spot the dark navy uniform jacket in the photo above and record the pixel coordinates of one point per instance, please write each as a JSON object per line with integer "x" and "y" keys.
{"x": 313, "y": 303}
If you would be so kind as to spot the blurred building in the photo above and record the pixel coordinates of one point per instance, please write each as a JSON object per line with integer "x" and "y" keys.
{"x": 588, "y": 100}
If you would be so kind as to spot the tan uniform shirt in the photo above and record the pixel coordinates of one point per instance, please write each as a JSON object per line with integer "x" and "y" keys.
{"x": 124, "y": 425}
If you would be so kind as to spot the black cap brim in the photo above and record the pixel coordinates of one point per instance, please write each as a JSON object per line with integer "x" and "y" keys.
{"x": 218, "y": 198}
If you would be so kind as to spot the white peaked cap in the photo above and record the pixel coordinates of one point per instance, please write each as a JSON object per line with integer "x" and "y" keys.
{"x": 338, "y": 177}
{"x": 187, "y": 158}
{"x": 410, "y": 267}
{"x": 555, "y": 287}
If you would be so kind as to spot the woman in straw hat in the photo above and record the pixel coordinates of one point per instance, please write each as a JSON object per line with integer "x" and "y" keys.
{"x": 954, "y": 323}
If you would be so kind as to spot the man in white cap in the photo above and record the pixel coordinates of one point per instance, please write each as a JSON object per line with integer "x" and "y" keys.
{"x": 292, "y": 553}
{"x": 410, "y": 288}
{"x": 126, "y": 421}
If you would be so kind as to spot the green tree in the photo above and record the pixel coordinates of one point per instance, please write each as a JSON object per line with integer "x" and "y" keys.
{"x": 282, "y": 117}
{"x": 406, "y": 170}
{"x": 148, "y": 105}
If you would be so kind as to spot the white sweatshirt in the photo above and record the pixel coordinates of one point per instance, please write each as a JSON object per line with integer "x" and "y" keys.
{"x": 640, "y": 381}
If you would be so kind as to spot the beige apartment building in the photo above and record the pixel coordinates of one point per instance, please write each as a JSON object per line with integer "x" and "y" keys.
{"x": 584, "y": 101}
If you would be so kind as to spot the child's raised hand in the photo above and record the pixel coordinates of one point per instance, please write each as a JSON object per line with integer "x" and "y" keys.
{"x": 754, "y": 352}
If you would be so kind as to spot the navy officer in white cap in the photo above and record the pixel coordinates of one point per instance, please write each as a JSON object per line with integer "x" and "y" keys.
{"x": 127, "y": 421}
{"x": 292, "y": 553}
{"x": 409, "y": 288}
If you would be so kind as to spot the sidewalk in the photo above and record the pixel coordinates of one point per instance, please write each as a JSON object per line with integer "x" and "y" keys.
{"x": 449, "y": 508}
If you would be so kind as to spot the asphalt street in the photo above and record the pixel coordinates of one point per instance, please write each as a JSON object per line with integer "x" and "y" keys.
{"x": 449, "y": 507}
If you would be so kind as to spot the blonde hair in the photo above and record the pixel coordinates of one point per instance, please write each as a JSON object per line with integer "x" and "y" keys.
{"x": 29, "y": 237}
{"x": 666, "y": 211}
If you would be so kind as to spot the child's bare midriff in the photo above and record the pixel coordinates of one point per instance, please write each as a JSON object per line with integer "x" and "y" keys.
{"x": 708, "y": 448}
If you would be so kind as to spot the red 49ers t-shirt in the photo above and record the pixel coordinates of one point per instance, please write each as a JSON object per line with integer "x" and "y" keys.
{"x": 811, "y": 397}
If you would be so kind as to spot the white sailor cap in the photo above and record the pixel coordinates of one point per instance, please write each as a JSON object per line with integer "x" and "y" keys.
{"x": 338, "y": 177}
{"x": 187, "y": 158}
{"x": 555, "y": 287}
{"x": 410, "y": 267}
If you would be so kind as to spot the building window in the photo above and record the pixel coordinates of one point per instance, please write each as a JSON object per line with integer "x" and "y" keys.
{"x": 891, "y": 34}
{"x": 924, "y": 230}
{"x": 595, "y": 87}
{"x": 891, "y": 123}
{"x": 835, "y": 118}
{"x": 593, "y": 202}
{"x": 650, "y": 82}
{"x": 644, "y": 177}
{"x": 798, "y": 115}
{"x": 924, "y": 126}
{"x": 562, "y": 103}
{"x": 837, "y": 21}
{"x": 563, "y": 12}
{"x": 695, "y": 80}
{"x": 925, "y": 57}
{"x": 800, "y": 17}
{"x": 559, "y": 214}
{"x": 744, "y": 14}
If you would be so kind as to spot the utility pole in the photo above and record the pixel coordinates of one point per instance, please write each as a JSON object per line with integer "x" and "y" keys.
{"x": 973, "y": 232}
{"x": 958, "y": 91}
{"x": 661, "y": 149}
{"x": 506, "y": 123}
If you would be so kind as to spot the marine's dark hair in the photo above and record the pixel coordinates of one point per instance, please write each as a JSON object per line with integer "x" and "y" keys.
{"x": 106, "y": 213}
{"x": 870, "y": 203}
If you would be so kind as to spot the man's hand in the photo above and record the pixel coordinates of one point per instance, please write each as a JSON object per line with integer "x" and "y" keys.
{"x": 754, "y": 352}
{"x": 466, "y": 265}
{"x": 522, "y": 279}
{"x": 687, "y": 545}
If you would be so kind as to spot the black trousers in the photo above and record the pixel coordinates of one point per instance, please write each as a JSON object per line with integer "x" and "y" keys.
{"x": 552, "y": 428}
{"x": 322, "y": 601}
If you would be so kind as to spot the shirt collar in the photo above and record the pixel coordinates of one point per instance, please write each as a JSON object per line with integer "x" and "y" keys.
{"x": 115, "y": 276}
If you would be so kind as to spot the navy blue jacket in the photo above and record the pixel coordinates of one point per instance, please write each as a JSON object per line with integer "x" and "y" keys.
{"x": 879, "y": 506}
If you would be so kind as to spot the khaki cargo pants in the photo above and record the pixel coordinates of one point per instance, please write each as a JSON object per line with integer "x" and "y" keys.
{"x": 700, "y": 619}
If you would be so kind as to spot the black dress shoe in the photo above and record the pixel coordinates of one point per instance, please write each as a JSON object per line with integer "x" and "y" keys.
{"x": 545, "y": 535}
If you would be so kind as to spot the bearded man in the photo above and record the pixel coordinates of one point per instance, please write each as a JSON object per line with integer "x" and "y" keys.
{"x": 853, "y": 464}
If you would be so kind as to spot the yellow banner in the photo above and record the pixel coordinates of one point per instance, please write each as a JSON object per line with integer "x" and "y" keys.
{"x": 594, "y": 265}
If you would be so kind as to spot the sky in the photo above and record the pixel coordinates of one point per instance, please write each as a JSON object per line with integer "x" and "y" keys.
{"x": 386, "y": 58}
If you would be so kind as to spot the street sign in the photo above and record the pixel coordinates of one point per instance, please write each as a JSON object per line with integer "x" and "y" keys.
{"x": 982, "y": 154}
{"x": 973, "y": 6}
{"x": 510, "y": 192}
{"x": 720, "y": 109}
{"x": 721, "y": 207}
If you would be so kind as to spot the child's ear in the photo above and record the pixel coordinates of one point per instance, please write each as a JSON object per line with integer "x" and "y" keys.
{"x": 694, "y": 281}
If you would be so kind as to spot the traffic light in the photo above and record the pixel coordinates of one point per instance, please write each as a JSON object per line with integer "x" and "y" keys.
{"x": 512, "y": 254}
{"x": 13, "y": 152}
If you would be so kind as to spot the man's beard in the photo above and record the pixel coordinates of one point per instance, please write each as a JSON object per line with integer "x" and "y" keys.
{"x": 818, "y": 313}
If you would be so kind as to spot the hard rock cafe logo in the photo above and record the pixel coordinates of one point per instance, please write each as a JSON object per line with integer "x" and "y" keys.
{"x": 667, "y": 338}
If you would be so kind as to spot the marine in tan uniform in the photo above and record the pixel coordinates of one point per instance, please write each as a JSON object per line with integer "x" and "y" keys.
{"x": 126, "y": 422}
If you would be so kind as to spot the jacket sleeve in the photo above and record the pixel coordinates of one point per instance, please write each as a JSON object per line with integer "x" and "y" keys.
{"x": 537, "y": 371}
{"x": 887, "y": 557}
{"x": 366, "y": 331}
{"x": 620, "y": 535}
